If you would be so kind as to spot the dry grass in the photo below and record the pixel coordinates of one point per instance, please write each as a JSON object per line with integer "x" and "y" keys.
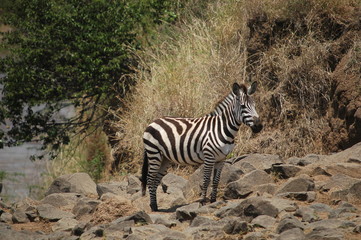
{"x": 285, "y": 45}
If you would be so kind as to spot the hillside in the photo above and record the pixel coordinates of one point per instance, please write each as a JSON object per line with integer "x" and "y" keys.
{"x": 304, "y": 54}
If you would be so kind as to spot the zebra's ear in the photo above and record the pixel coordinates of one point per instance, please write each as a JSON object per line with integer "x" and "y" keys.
{"x": 235, "y": 89}
{"x": 252, "y": 88}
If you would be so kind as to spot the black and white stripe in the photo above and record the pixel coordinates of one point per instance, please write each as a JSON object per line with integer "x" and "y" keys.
{"x": 193, "y": 141}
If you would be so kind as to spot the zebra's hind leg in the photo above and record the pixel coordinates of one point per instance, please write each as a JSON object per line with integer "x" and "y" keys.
{"x": 216, "y": 177}
{"x": 157, "y": 170}
{"x": 207, "y": 173}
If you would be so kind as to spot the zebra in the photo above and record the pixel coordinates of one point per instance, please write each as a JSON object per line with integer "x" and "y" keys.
{"x": 194, "y": 141}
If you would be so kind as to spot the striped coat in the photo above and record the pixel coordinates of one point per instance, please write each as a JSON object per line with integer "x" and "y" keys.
{"x": 194, "y": 141}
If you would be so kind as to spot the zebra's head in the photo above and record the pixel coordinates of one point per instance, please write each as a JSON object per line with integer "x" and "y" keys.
{"x": 244, "y": 108}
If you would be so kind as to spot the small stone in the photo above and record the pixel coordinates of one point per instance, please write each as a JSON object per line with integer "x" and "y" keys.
{"x": 187, "y": 212}
{"x": 285, "y": 171}
{"x": 264, "y": 221}
{"x": 292, "y": 234}
{"x": 20, "y": 217}
{"x": 289, "y": 223}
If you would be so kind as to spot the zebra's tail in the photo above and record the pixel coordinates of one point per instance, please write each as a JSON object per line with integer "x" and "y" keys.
{"x": 144, "y": 174}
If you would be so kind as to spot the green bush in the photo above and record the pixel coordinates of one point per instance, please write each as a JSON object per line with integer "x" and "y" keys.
{"x": 69, "y": 52}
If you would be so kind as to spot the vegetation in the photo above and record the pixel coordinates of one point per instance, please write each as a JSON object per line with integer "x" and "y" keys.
{"x": 74, "y": 52}
{"x": 290, "y": 47}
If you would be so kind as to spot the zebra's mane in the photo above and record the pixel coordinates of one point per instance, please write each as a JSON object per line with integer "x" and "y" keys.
{"x": 219, "y": 106}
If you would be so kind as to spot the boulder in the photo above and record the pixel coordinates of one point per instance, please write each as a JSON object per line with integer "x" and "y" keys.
{"x": 187, "y": 212}
{"x": 20, "y": 216}
{"x": 325, "y": 234}
{"x": 51, "y": 213}
{"x": 263, "y": 221}
{"x": 6, "y": 217}
{"x": 289, "y": 223}
{"x": 118, "y": 188}
{"x": 285, "y": 171}
{"x": 134, "y": 184}
{"x": 259, "y": 161}
{"x": 292, "y": 234}
{"x": 299, "y": 184}
{"x": 243, "y": 187}
{"x": 307, "y": 214}
{"x": 163, "y": 219}
{"x": 249, "y": 209}
{"x": 65, "y": 224}
{"x": 73, "y": 183}
{"x": 155, "y": 231}
{"x": 63, "y": 200}
{"x": 173, "y": 181}
{"x": 85, "y": 206}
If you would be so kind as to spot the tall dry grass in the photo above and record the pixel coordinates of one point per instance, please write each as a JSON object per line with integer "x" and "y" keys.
{"x": 284, "y": 45}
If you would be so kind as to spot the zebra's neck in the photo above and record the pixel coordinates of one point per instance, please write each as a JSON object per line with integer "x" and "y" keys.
{"x": 223, "y": 104}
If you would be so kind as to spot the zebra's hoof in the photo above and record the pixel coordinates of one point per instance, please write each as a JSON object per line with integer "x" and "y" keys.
{"x": 154, "y": 207}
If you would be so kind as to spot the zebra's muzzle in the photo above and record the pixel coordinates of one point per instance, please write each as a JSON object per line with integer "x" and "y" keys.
{"x": 257, "y": 126}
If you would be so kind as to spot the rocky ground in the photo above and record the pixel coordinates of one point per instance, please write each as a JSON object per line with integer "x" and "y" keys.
{"x": 262, "y": 197}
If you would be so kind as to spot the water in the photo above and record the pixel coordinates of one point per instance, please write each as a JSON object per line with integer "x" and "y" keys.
{"x": 23, "y": 176}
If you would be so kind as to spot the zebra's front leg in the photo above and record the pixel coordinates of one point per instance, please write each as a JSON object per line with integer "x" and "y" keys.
{"x": 207, "y": 173}
{"x": 216, "y": 177}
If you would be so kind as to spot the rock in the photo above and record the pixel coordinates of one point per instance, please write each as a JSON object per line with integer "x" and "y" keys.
{"x": 117, "y": 231}
{"x": 297, "y": 185}
{"x": 65, "y": 224}
{"x": 134, "y": 184}
{"x": 6, "y": 217}
{"x": 289, "y": 223}
{"x": 300, "y": 196}
{"x": 205, "y": 232}
{"x": 246, "y": 185}
{"x": 51, "y": 213}
{"x": 259, "y": 161}
{"x": 138, "y": 217}
{"x": 235, "y": 226}
{"x": 79, "y": 229}
{"x": 307, "y": 214}
{"x": 73, "y": 183}
{"x": 342, "y": 209}
{"x": 187, "y": 212}
{"x": 263, "y": 221}
{"x": 292, "y": 234}
{"x": 201, "y": 221}
{"x": 118, "y": 188}
{"x": 326, "y": 224}
{"x": 283, "y": 205}
{"x": 269, "y": 188}
{"x": 163, "y": 219}
{"x": 354, "y": 193}
{"x": 174, "y": 197}
{"x": 348, "y": 169}
{"x": 172, "y": 180}
{"x": 85, "y": 206}
{"x": 20, "y": 217}
{"x": 325, "y": 234}
{"x": 298, "y": 161}
{"x": 155, "y": 231}
{"x": 62, "y": 199}
{"x": 249, "y": 209}
{"x": 8, "y": 233}
{"x": 285, "y": 171}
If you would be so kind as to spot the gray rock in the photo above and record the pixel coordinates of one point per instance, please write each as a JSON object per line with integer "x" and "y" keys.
{"x": 292, "y": 234}
{"x": 134, "y": 184}
{"x": 249, "y": 209}
{"x": 289, "y": 223}
{"x": 259, "y": 161}
{"x": 285, "y": 171}
{"x": 321, "y": 207}
{"x": 326, "y": 224}
{"x": 298, "y": 161}
{"x": 172, "y": 180}
{"x": 6, "y": 217}
{"x": 65, "y": 224}
{"x": 255, "y": 236}
{"x": 118, "y": 230}
{"x": 269, "y": 188}
{"x": 8, "y": 233}
{"x": 354, "y": 193}
{"x": 307, "y": 214}
{"x": 264, "y": 221}
{"x": 325, "y": 234}
{"x": 138, "y": 217}
{"x": 297, "y": 185}
{"x": 300, "y": 196}
{"x": 163, "y": 219}
{"x": 205, "y": 232}
{"x": 73, "y": 183}
{"x": 201, "y": 221}
{"x": 62, "y": 199}
{"x": 155, "y": 231}
{"x": 348, "y": 169}
{"x": 233, "y": 225}
{"x": 339, "y": 182}
{"x": 79, "y": 229}
{"x": 117, "y": 188}
{"x": 243, "y": 187}
{"x": 342, "y": 209}
{"x": 187, "y": 212}
{"x": 20, "y": 217}
{"x": 51, "y": 213}
{"x": 85, "y": 206}
{"x": 283, "y": 205}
